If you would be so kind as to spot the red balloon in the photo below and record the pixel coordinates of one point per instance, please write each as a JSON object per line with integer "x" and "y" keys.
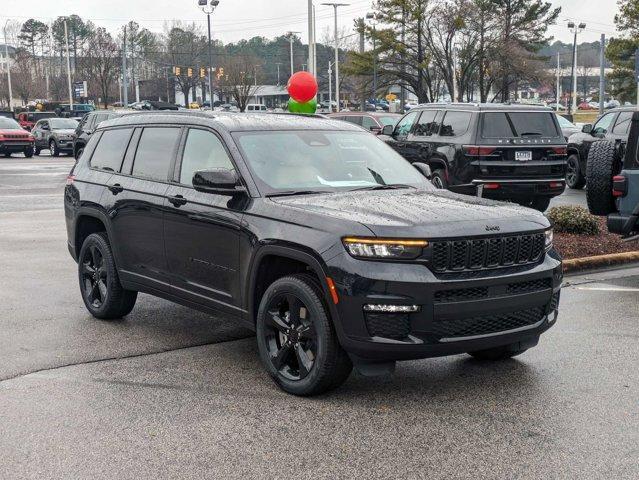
{"x": 302, "y": 87}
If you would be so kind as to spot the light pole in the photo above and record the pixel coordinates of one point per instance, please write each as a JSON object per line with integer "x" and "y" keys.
{"x": 66, "y": 39}
{"x": 8, "y": 64}
{"x": 330, "y": 87}
{"x": 335, "y": 6}
{"x": 311, "y": 39}
{"x": 291, "y": 39}
{"x": 576, "y": 29}
{"x": 208, "y": 7}
{"x": 278, "y": 73}
{"x": 373, "y": 18}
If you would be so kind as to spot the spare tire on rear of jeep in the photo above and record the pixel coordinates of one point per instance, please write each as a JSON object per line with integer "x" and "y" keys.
{"x": 604, "y": 162}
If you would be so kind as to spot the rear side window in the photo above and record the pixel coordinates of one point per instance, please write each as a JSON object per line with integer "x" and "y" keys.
{"x": 455, "y": 124}
{"x": 203, "y": 151}
{"x": 155, "y": 152}
{"x": 109, "y": 153}
{"x": 623, "y": 123}
{"x": 518, "y": 124}
{"x": 426, "y": 125}
{"x": 356, "y": 119}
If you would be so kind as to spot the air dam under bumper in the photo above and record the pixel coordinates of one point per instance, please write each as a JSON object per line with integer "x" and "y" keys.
{"x": 455, "y": 315}
{"x": 14, "y": 147}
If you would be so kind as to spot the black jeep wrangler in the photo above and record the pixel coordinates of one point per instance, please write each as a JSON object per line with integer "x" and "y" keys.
{"x": 311, "y": 231}
{"x": 505, "y": 152}
{"x": 613, "y": 181}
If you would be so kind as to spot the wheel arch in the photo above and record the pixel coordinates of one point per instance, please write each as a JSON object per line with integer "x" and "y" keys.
{"x": 89, "y": 221}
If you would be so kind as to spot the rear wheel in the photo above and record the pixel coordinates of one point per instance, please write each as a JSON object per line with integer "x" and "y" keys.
{"x": 297, "y": 342}
{"x": 28, "y": 152}
{"x": 79, "y": 153}
{"x": 7, "y": 155}
{"x": 37, "y": 151}
{"x": 103, "y": 295}
{"x": 439, "y": 179}
{"x": 575, "y": 178}
{"x": 53, "y": 147}
{"x": 603, "y": 164}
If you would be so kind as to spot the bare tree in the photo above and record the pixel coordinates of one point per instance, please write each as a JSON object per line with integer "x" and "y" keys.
{"x": 101, "y": 62}
{"x": 185, "y": 47}
{"x": 239, "y": 79}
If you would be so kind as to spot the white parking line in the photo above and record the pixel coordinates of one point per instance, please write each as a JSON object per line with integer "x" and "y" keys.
{"x": 608, "y": 289}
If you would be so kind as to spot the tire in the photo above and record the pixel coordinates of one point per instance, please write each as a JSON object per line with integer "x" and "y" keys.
{"x": 439, "y": 179}
{"x": 603, "y": 164}
{"x": 53, "y": 148}
{"x": 7, "y": 155}
{"x": 37, "y": 151}
{"x": 79, "y": 153}
{"x": 575, "y": 178}
{"x": 499, "y": 353}
{"x": 28, "y": 152}
{"x": 540, "y": 203}
{"x": 287, "y": 341}
{"x": 100, "y": 286}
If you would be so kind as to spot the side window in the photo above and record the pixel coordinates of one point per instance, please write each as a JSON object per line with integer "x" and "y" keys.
{"x": 368, "y": 123}
{"x": 623, "y": 123}
{"x": 455, "y": 124}
{"x": 405, "y": 125}
{"x": 203, "y": 151}
{"x": 426, "y": 125}
{"x": 99, "y": 119}
{"x": 356, "y": 119}
{"x": 604, "y": 123}
{"x": 155, "y": 152}
{"x": 109, "y": 153}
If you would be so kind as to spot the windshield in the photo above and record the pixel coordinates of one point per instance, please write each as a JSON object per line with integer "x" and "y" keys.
{"x": 9, "y": 123}
{"x": 63, "y": 123}
{"x": 325, "y": 161}
{"x": 518, "y": 124}
{"x": 389, "y": 120}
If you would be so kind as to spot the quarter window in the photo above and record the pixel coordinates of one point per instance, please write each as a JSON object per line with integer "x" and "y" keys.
{"x": 110, "y": 151}
{"x": 155, "y": 152}
{"x": 203, "y": 151}
{"x": 455, "y": 124}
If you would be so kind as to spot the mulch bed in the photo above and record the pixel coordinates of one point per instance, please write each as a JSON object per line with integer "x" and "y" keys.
{"x": 577, "y": 246}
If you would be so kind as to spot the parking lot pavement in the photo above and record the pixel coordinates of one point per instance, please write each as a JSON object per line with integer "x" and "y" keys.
{"x": 571, "y": 197}
{"x": 172, "y": 393}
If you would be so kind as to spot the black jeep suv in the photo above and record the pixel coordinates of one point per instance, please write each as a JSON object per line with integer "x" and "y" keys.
{"x": 313, "y": 232}
{"x": 506, "y": 152}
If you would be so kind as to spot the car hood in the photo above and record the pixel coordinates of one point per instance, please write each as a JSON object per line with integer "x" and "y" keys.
{"x": 13, "y": 131}
{"x": 418, "y": 213}
{"x": 64, "y": 131}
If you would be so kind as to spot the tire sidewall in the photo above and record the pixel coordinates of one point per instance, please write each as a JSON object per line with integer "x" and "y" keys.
{"x": 574, "y": 159}
{"x": 53, "y": 147}
{"x": 318, "y": 313}
{"x": 99, "y": 241}
{"x": 440, "y": 175}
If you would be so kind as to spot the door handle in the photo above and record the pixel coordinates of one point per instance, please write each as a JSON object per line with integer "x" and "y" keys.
{"x": 178, "y": 200}
{"x": 116, "y": 188}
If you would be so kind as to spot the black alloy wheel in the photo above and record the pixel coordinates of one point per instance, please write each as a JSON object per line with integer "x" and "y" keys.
{"x": 290, "y": 336}
{"x": 53, "y": 148}
{"x": 94, "y": 277}
{"x": 438, "y": 179}
{"x": 574, "y": 177}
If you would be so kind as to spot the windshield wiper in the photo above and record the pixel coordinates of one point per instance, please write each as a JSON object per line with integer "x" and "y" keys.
{"x": 391, "y": 186}
{"x": 289, "y": 193}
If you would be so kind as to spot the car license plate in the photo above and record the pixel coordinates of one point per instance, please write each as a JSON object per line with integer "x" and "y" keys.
{"x": 524, "y": 156}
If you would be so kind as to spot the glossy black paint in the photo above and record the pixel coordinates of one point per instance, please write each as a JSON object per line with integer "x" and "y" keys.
{"x": 207, "y": 250}
{"x": 519, "y": 181}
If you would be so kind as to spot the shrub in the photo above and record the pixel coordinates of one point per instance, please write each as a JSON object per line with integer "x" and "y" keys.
{"x": 573, "y": 219}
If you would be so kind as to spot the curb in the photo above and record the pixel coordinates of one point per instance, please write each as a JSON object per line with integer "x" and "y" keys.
{"x": 599, "y": 261}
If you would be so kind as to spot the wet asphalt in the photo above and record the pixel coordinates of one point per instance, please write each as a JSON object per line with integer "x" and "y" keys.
{"x": 173, "y": 393}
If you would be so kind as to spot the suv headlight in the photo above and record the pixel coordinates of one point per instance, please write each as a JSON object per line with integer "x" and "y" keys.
{"x": 550, "y": 235}
{"x": 384, "y": 248}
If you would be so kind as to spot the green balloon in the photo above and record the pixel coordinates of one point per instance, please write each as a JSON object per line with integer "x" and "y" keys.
{"x": 308, "y": 108}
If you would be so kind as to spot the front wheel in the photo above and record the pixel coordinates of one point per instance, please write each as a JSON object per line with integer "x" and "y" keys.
{"x": 53, "y": 147}
{"x": 102, "y": 293}
{"x": 297, "y": 342}
{"x": 28, "y": 152}
{"x": 439, "y": 179}
{"x": 575, "y": 178}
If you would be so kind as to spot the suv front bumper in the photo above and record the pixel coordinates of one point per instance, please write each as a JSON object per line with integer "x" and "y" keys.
{"x": 456, "y": 315}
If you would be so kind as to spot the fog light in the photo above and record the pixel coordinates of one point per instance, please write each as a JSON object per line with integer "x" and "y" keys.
{"x": 372, "y": 307}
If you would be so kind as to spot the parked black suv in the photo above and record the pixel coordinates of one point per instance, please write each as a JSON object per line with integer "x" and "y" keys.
{"x": 612, "y": 125}
{"x": 613, "y": 181}
{"x": 506, "y": 152}
{"x": 314, "y": 233}
{"x": 89, "y": 123}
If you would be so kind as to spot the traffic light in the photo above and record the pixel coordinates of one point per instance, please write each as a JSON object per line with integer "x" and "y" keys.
{"x": 220, "y": 72}
{"x": 177, "y": 71}
{"x": 189, "y": 72}
{"x": 202, "y": 72}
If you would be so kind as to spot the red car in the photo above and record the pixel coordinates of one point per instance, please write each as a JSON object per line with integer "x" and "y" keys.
{"x": 372, "y": 121}
{"x": 28, "y": 119}
{"x": 14, "y": 139}
{"x": 585, "y": 106}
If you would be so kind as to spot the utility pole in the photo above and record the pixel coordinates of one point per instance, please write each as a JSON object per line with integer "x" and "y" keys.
{"x": 602, "y": 73}
{"x": 208, "y": 8}
{"x": 66, "y": 38}
{"x": 291, "y": 39}
{"x": 373, "y": 19}
{"x": 125, "y": 81}
{"x": 576, "y": 29}
{"x": 278, "y": 74}
{"x": 311, "y": 39}
{"x": 335, "y": 7}
{"x": 330, "y": 87}
{"x": 362, "y": 48}
{"x": 558, "y": 83}
{"x": 8, "y": 64}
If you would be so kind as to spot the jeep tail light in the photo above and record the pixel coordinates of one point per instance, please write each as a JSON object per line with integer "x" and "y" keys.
{"x": 560, "y": 150}
{"x": 556, "y": 184}
{"x": 491, "y": 186}
{"x": 619, "y": 186}
{"x": 477, "y": 151}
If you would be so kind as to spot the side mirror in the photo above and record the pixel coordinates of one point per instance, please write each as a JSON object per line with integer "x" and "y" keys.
{"x": 587, "y": 128}
{"x": 424, "y": 169}
{"x": 217, "y": 180}
{"x": 45, "y": 127}
{"x": 388, "y": 130}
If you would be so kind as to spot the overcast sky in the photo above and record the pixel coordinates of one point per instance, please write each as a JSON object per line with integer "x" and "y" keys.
{"x": 236, "y": 19}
